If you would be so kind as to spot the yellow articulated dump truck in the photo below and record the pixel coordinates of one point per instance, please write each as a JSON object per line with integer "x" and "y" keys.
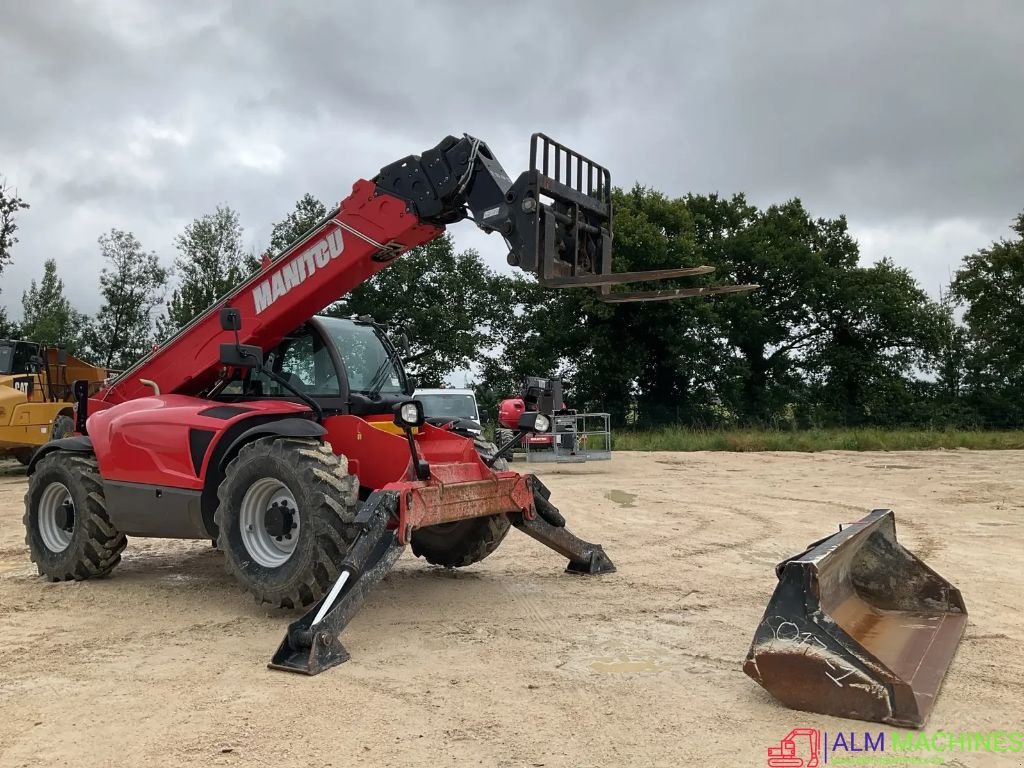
{"x": 36, "y": 401}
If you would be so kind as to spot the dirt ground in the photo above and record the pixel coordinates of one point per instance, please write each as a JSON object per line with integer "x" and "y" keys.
{"x": 511, "y": 662}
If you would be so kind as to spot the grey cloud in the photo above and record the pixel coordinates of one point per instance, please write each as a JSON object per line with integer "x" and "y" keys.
{"x": 903, "y": 116}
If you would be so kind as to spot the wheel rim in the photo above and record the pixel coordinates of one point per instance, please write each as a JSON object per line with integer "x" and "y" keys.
{"x": 269, "y": 522}
{"x": 56, "y": 517}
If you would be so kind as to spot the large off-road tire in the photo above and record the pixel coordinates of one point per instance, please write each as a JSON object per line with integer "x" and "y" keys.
{"x": 67, "y": 529}
{"x": 63, "y": 426}
{"x": 502, "y": 436}
{"x": 23, "y": 455}
{"x": 285, "y": 519}
{"x": 463, "y": 542}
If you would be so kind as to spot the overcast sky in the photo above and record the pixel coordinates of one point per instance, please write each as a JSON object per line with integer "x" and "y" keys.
{"x": 906, "y": 116}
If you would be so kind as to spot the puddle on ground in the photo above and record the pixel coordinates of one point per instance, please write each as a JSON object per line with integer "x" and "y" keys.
{"x": 621, "y": 497}
{"x": 624, "y": 665}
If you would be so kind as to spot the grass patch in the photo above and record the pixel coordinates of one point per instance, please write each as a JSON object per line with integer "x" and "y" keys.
{"x": 872, "y": 439}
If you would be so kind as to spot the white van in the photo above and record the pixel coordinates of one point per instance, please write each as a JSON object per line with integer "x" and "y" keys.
{"x": 450, "y": 403}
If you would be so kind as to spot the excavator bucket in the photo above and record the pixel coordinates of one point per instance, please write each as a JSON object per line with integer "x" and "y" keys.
{"x": 858, "y": 627}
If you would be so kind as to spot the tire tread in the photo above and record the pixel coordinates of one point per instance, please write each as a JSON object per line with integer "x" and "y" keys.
{"x": 99, "y": 552}
{"x": 325, "y": 478}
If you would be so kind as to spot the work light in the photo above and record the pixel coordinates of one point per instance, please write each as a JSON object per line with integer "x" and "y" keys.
{"x": 409, "y": 414}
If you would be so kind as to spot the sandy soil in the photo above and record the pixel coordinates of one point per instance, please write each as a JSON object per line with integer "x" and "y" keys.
{"x": 511, "y": 662}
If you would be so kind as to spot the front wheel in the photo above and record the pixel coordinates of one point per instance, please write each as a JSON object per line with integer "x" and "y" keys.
{"x": 463, "y": 542}
{"x": 285, "y": 519}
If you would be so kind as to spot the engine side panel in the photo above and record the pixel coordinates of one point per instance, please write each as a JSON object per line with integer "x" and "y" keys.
{"x": 156, "y": 441}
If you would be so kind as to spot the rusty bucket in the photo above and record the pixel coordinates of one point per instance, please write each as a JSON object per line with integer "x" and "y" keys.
{"x": 858, "y": 627}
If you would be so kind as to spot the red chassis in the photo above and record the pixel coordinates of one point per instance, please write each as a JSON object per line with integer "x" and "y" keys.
{"x": 148, "y": 446}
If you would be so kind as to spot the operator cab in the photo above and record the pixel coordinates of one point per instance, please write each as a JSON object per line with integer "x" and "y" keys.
{"x": 345, "y": 365}
{"x": 18, "y": 357}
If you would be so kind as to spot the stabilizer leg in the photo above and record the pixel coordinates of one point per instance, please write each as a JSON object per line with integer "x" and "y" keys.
{"x": 311, "y": 643}
{"x": 548, "y": 527}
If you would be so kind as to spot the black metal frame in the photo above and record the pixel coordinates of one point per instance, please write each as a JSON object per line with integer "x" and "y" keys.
{"x": 556, "y": 217}
{"x": 310, "y": 647}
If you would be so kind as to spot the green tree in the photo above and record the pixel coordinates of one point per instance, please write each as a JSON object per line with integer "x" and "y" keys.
{"x": 523, "y": 338}
{"x": 47, "y": 314}
{"x": 10, "y": 205}
{"x": 132, "y": 285}
{"x": 211, "y": 260}
{"x": 881, "y": 330}
{"x": 797, "y": 261}
{"x": 307, "y": 212}
{"x": 438, "y": 298}
{"x": 642, "y": 363}
{"x": 8, "y": 328}
{"x": 647, "y": 363}
{"x": 989, "y": 286}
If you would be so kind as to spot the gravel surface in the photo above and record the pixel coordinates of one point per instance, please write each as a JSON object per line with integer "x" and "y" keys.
{"x": 511, "y": 662}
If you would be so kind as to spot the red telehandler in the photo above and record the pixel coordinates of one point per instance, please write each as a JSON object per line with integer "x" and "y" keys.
{"x": 292, "y": 440}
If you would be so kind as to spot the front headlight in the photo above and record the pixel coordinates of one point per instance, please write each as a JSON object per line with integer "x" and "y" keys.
{"x": 531, "y": 421}
{"x": 409, "y": 413}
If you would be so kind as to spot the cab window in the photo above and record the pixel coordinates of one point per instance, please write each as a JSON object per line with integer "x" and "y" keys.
{"x": 303, "y": 360}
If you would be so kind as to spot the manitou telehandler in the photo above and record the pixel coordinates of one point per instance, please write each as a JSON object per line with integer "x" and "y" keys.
{"x": 291, "y": 439}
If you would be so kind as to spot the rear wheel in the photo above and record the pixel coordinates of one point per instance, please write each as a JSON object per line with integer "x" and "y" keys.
{"x": 463, "y": 542}
{"x": 285, "y": 519}
{"x": 68, "y": 531}
{"x": 23, "y": 455}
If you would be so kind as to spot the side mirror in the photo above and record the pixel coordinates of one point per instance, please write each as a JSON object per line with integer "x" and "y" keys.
{"x": 230, "y": 319}
{"x": 531, "y": 421}
{"x": 241, "y": 355}
{"x": 409, "y": 414}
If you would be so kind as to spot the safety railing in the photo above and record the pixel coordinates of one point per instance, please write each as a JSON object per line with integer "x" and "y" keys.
{"x": 574, "y": 437}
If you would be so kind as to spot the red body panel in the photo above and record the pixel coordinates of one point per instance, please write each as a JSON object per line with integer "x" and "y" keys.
{"x": 375, "y": 456}
{"x": 509, "y": 412}
{"x": 460, "y": 484}
{"x": 280, "y": 297}
{"x": 147, "y": 440}
{"x": 379, "y": 457}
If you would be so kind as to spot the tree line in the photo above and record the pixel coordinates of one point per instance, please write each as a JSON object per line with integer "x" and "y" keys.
{"x": 825, "y": 341}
